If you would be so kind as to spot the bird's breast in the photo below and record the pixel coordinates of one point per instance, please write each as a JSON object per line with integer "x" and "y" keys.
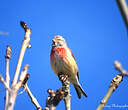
{"x": 57, "y": 59}
{"x": 62, "y": 61}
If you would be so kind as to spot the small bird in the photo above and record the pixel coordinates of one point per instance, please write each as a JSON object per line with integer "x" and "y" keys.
{"x": 63, "y": 61}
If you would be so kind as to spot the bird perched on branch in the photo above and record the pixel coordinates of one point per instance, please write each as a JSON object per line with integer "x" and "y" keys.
{"x": 63, "y": 61}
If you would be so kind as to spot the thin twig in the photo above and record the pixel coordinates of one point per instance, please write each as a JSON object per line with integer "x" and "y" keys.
{"x": 21, "y": 92}
{"x": 113, "y": 86}
{"x": 118, "y": 67}
{"x": 33, "y": 99}
{"x": 25, "y": 44}
{"x": 4, "y": 82}
{"x": 7, "y": 76}
{"x": 124, "y": 10}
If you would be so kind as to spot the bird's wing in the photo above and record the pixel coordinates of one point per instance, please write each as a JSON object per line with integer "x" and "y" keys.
{"x": 75, "y": 60}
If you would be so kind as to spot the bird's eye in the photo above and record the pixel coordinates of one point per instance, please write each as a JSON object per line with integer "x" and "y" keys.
{"x": 60, "y": 39}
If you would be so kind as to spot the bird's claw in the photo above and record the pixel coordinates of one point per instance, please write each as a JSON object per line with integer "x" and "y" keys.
{"x": 63, "y": 77}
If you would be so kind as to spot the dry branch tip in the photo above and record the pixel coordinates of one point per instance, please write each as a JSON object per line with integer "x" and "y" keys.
{"x": 26, "y": 79}
{"x": 8, "y": 52}
{"x": 118, "y": 66}
{"x": 23, "y": 25}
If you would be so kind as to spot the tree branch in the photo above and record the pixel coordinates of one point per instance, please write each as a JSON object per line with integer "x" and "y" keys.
{"x": 25, "y": 44}
{"x": 11, "y": 92}
{"x": 112, "y": 87}
{"x": 7, "y": 76}
{"x": 31, "y": 96}
{"x": 124, "y": 10}
{"x": 4, "y": 82}
{"x": 114, "y": 84}
{"x": 14, "y": 89}
{"x": 63, "y": 93}
{"x": 118, "y": 67}
{"x": 67, "y": 101}
{"x": 66, "y": 89}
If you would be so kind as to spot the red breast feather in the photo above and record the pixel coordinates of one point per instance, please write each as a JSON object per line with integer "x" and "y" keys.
{"x": 63, "y": 61}
{"x": 61, "y": 52}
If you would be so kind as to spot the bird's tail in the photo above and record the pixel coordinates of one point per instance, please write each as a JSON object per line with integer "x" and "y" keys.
{"x": 79, "y": 91}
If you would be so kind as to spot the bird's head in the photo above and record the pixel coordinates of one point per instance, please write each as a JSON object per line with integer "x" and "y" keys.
{"x": 58, "y": 41}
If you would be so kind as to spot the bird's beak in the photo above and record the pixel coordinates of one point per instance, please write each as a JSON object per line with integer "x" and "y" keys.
{"x": 53, "y": 42}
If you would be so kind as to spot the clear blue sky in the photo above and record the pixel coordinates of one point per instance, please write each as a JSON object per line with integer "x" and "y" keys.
{"x": 94, "y": 31}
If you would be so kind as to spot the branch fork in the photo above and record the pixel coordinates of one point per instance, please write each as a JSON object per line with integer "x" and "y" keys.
{"x": 113, "y": 85}
{"x": 11, "y": 91}
{"x": 61, "y": 94}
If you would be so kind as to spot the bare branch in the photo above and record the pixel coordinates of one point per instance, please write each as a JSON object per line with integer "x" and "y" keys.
{"x": 25, "y": 44}
{"x": 67, "y": 101}
{"x": 63, "y": 93}
{"x": 4, "y": 82}
{"x": 22, "y": 77}
{"x": 15, "y": 88}
{"x": 66, "y": 89}
{"x": 33, "y": 99}
{"x": 31, "y": 96}
{"x": 118, "y": 66}
{"x": 124, "y": 10}
{"x": 11, "y": 93}
{"x": 7, "y": 76}
{"x": 113, "y": 86}
{"x": 53, "y": 99}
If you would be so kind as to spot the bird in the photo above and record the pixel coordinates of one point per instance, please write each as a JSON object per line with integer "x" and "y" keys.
{"x": 63, "y": 61}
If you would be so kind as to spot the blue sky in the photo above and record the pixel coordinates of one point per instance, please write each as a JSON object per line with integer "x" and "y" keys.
{"x": 94, "y": 31}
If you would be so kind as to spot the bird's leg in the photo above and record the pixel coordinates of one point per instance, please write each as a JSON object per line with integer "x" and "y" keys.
{"x": 63, "y": 77}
